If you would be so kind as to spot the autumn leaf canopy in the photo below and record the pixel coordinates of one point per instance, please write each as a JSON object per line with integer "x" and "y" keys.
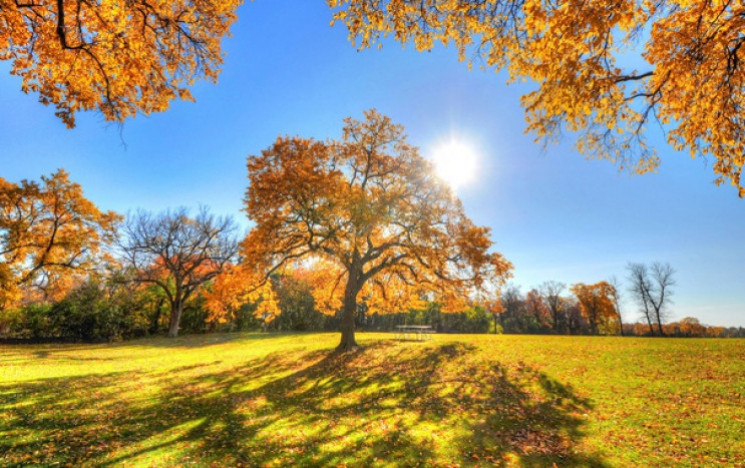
{"x": 369, "y": 215}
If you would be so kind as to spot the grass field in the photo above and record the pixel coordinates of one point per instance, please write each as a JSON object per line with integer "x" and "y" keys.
{"x": 282, "y": 400}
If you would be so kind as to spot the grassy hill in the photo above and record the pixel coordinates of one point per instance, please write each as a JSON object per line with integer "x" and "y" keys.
{"x": 281, "y": 400}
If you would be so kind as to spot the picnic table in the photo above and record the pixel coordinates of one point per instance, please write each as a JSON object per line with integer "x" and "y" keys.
{"x": 414, "y": 332}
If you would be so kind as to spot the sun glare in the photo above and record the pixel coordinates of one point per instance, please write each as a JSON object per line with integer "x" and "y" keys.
{"x": 455, "y": 163}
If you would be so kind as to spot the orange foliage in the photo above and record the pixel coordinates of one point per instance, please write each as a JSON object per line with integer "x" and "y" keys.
{"x": 234, "y": 287}
{"x": 325, "y": 280}
{"x": 119, "y": 56}
{"x": 691, "y": 80}
{"x": 596, "y": 303}
{"x": 50, "y": 234}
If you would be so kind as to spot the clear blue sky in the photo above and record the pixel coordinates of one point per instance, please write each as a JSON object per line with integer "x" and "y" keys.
{"x": 555, "y": 215}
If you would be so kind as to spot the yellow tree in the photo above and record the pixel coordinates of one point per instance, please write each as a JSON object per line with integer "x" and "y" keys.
{"x": 119, "y": 56}
{"x": 371, "y": 207}
{"x": 596, "y": 303}
{"x": 49, "y": 234}
{"x": 689, "y": 76}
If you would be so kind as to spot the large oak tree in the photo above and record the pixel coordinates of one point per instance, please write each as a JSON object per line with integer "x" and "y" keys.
{"x": 369, "y": 212}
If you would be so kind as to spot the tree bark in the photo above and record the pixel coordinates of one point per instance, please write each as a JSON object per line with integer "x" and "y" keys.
{"x": 176, "y": 309}
{"x": 349, "y": 310}
{"x": 593, "y": 323}
{"x": 659, "y": 323}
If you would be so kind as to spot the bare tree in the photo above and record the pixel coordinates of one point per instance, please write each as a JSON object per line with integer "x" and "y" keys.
{"x": 652, "y": 288}
{"x": 659, "y": 295}
{"x": 616, "y": 283}
{"x": 178, "y": 253}
{"x": 513, "y": 309}
{"x": 574, "y": 319}
{"x": 551, "y": 292}
{"x": 640, "y": 284}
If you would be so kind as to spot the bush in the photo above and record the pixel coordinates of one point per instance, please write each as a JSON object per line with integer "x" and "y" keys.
{"x": 194, "y": 317}
{"x": 88, "y": 313}
{"x": 27, "y": 322}
{"x": 10, "y": 322}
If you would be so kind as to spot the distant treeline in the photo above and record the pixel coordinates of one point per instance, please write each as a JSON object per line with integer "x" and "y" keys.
{"x": 111, "y": 309}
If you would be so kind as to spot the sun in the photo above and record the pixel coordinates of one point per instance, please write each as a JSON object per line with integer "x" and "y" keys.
{"x": 455, "y": 163}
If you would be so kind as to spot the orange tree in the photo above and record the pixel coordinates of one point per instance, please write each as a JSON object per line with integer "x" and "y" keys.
{"x": 369, "y": 213}
{"x": 690, "y": 78}
{"x": 596, "y": 303}
{"x": 50, "y": 234}
{"x": 119, "y": 56}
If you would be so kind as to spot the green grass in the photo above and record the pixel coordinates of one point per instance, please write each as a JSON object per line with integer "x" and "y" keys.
{"x": 283, "y": 400}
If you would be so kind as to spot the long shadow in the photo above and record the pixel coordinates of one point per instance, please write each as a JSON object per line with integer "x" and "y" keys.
{"x": 384, "y": 404}
{"x": 51, "y": 346}
{"x": 200, "y": 341}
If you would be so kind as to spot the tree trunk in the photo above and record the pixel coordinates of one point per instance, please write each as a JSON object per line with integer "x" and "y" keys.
{"x": 176, "y": 308}
{"x": 593, "y": 324}
{"x": 349, "y": 311}
{"x": 555, "y": 320}
{"x": 659, "y": 323}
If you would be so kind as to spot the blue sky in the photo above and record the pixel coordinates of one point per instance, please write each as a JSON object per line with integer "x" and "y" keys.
{"x": 555, "y": 215}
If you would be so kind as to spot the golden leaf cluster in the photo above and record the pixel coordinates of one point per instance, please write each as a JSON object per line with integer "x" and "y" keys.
{"x": 121, "y": 57}
{"x": 578, "y": 53}
{"x": 236, "y": 286}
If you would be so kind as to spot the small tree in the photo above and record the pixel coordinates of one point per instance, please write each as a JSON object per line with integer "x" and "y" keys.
{"x": 651, "y": 287}
{"x": 512, "y": 318}
{"x": 537, "y": 310}
{"x": 595, "y": 302}
{"x": 551, "y": 292}
{"x": 613, "y": 281}
{"x": 178, "y": 253}
{"x": 295, "y": 300}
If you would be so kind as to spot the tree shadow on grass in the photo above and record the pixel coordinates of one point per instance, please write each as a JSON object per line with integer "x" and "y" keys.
{"x": 207, "y": 339}
{"x": 387, "y": 404}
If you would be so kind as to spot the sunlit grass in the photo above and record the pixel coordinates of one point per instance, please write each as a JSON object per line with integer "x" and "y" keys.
{"x": 254, "y": 400}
